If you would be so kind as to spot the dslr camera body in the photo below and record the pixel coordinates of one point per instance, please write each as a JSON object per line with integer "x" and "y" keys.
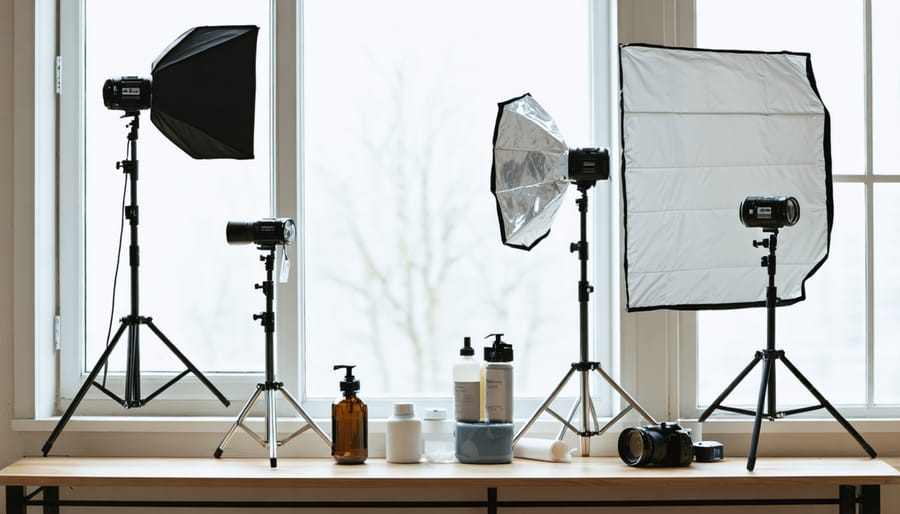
{"x": 665, "y": 445}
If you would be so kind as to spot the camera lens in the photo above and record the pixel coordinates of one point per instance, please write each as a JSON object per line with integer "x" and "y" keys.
{"x": 638, "y": 447}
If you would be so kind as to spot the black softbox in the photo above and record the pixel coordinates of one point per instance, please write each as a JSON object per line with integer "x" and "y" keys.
{"x": 204, "y": 87}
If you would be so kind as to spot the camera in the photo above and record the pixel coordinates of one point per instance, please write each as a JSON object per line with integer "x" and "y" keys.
{"x": 665, "y": 445}
{"x": 127, "y": 93}
{"x": 588, "y": 165}
{"x": 266, "y": 232}
{"x": 769, "y": 211}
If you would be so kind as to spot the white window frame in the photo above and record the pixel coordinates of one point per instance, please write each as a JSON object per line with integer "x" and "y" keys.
{"x": 189, "y": 396}
{"x": 656, "y": 346}
{"x": 36, "y": 364}
{"x": 683, "y": 325}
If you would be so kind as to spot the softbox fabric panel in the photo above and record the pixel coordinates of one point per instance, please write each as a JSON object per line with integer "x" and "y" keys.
{"x": 701, "y": 131}
{"x": 204, "y": 92}
{"x": 530, "y": 161}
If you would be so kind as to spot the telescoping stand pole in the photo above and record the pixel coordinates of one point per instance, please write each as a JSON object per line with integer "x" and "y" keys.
{"x": 133, "y": 321}
{"x": 590, "y": 425}
{"x": 768, "y": 357}
{"x": 271, "y": 386}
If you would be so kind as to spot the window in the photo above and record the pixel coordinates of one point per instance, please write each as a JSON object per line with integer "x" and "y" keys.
{"x": 198, "y": 290}
{"x": 841, "y": 337}
{"x": 399, "y": 255}
{"x": 402, "y": 248}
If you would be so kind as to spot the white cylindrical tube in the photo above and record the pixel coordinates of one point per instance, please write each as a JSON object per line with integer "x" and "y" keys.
{"x": 551, "y": 450}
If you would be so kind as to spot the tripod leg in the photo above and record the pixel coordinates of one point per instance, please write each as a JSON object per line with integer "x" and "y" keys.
{"x": 734, "y": 383}
{"x": 84, "y": 389}
{"x": 239, "y": 421}
{"x": 187, "y": 363}
{"x": 568, "y": 421}
{"x": 545, "y": 405}
{"x": 296, "y": 405}
{"x": 757, "y": 421}
{"x": 830, "y": 408}
{"x": 631, "y": 401}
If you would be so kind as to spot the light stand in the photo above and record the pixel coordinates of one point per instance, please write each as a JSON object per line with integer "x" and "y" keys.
{"x": 271, "y": 385}
{"x": 768, "y": 358}
{"x": 590, "y": 426}
{"x": 133, "y": 321}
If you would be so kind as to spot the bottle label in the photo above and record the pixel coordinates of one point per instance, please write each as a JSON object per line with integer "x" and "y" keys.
{"x": 467, "y": 400}
{"x": 498, "y": 394}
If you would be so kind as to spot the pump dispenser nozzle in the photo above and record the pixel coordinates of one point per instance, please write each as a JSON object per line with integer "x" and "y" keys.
{"x": 349, "y": 385}
{"x": 499, "y": 351}
{"x": 467, "y": 347}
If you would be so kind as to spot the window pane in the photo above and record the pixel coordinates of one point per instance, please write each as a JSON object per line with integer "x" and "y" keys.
{"x": 830, "y": 30}
{"x": 823, "y": 336}
{"x": 886, "y": 85}
{"x": 198, "y": 291}
{"x": 887, "y": 293}
{"x": 402, "y": 246}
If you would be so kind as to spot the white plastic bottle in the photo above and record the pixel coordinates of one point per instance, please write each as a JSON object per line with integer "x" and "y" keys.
{"x": 403, "y": 443}
{"x": 467, "y": 396}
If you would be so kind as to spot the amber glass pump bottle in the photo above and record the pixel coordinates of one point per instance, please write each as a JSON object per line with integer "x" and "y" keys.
{"x": 349, "y": 423}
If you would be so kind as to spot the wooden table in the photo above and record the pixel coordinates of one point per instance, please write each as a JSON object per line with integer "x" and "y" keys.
{"x": 857, "y": 481}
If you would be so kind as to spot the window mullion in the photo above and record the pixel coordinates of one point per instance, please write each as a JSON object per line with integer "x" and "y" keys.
{"x": 870, "y": 209}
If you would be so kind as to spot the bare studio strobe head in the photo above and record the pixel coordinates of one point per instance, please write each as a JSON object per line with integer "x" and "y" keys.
{"x": 267, "y": 234}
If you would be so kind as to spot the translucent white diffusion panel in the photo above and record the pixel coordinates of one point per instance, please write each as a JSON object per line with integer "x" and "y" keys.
{"x": 701, "y": 131}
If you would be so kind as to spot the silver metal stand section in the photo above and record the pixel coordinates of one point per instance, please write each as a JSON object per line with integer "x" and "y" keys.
{"x": 271, "y": 440}
{"x": 590, "y": 425}
{"x": 270, "y": 386}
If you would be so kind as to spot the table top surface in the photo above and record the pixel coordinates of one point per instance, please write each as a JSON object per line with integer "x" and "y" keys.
{"x": 589, "y": 471}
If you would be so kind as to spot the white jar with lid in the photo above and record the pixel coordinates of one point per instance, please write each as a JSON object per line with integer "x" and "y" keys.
{"x": 403, "y": 443}
{"x": 437, "y": 436}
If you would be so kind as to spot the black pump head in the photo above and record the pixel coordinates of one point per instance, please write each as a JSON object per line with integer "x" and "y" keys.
{"x": 499, "y": 351}
{"x": 349, "y": 386}
{"x": 467, "y": 349}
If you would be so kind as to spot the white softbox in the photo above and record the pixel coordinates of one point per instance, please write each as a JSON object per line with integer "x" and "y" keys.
{"x": 701, "y": 131}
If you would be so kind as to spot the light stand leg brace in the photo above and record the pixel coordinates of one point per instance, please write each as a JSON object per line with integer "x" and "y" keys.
{"x": 271, "y": 386}
{"x": 132, "y": 322}
{"x": 590, "y": 425}
{"x": 769, "y": 357}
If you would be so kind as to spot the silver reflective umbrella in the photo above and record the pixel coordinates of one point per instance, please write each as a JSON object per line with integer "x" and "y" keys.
{"x": 528, "y": 175}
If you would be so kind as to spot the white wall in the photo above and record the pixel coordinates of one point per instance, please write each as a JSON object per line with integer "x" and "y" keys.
{"x": 10, "y": 442}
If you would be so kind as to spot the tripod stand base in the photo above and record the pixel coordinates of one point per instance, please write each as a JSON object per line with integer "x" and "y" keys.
{"x": 587, "y": 407}
{"x": 133, "y": 397}
{"x": 767, "y": 389}
{"x": 271, "y": 440}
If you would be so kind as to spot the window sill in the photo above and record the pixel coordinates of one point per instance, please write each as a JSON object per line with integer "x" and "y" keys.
{"x": 218, "y": 424}
{"x": 193, "y": 436}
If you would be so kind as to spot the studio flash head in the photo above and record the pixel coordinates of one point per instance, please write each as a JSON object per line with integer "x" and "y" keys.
{"x": 588, "y": 165}
{"x": 266, "y": 232}
{"x": 769, "y": 211}
{"x": 127, "y": 93}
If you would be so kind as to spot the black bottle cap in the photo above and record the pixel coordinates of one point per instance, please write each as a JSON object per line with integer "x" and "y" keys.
{"x": 467, "y": 349}
{"x": 349, "y": 385}
{"x": 499, "y": 351}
